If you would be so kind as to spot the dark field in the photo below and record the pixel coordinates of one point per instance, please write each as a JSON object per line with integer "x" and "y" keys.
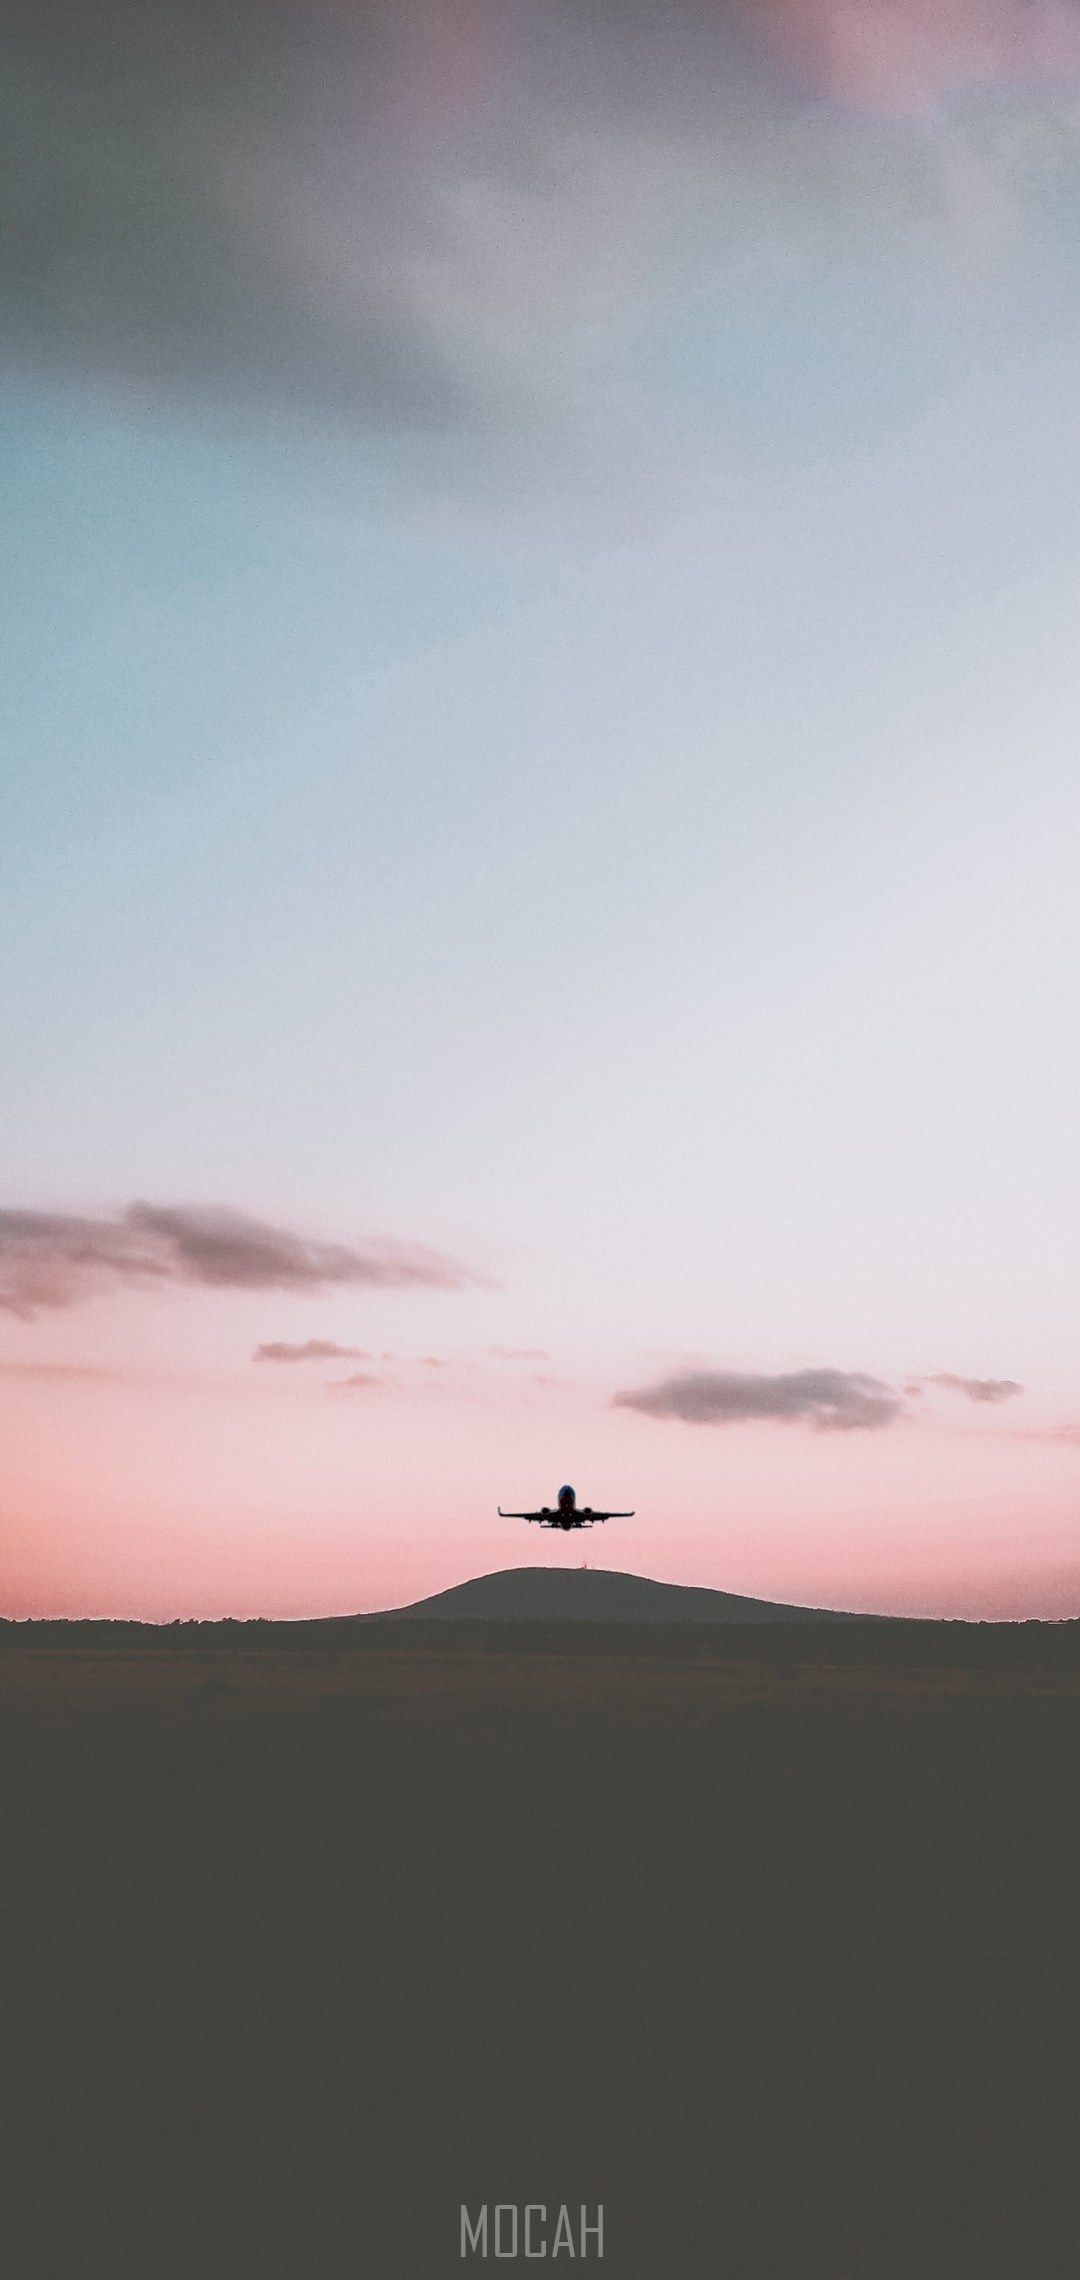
{"x": 776, "y": 1955}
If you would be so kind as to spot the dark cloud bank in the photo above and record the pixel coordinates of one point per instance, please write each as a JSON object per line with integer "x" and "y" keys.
{"x": 51, "y": 1259}
{"x": 161, "y": 168}
{"x": 321, "y": 211}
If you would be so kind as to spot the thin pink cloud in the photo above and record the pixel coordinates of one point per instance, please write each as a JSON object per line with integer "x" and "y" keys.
{"x": 1050, "y": 1436}
{"x": 311, "y": 1350}
{"x": 903, "y": 55}
{"x": 63, "y": 1373}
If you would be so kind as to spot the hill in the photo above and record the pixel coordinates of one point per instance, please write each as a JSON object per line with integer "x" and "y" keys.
{"x": 595, "y": 1595}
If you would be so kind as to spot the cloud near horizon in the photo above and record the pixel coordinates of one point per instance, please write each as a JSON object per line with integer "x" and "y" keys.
{"x": 64, "y": 1373}
{"x": 54, "y": 1259}
{"x": 1050, "y": 1436}
{"x": 975, "y": 1389}
{"x": 829, "y": 1400}
{"x": 312, "y": 1350}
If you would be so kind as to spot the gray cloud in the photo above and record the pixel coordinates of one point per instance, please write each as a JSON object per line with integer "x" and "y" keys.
{"x": 355, "y": 1384}
{"x": 312, "y": 1350}
{"x": 830, "y": 1400}
{"x": 51, "y": 1259}
{"x": 976, "y": 1389}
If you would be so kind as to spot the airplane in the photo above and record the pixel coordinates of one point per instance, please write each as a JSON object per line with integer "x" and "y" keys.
{"x": 568, "y": 1513}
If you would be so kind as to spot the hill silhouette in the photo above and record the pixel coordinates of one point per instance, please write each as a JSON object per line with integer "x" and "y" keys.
{"x": 596, "y": 1595}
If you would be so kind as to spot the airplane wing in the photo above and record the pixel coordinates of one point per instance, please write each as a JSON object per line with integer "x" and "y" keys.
{"x": 550, "y": 1517}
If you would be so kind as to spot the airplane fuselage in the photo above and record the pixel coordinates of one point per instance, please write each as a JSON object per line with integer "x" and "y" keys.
{"x": 566, "y": 1514}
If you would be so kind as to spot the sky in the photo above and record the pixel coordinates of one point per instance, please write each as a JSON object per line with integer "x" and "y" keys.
{"x": 538, "y": 799}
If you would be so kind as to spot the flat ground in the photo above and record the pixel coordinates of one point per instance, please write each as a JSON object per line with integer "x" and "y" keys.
{"x": 779, "y": 1960}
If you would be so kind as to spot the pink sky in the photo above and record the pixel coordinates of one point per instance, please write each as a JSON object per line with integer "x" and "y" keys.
{"x": 186, "y": 1478}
